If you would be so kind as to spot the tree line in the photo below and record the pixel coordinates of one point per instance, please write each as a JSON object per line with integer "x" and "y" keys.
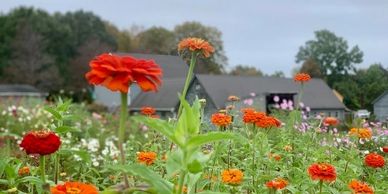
{"x": 52, "y": 51}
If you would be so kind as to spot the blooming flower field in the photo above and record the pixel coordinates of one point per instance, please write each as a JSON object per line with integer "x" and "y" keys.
{"x": 64, "y": 148}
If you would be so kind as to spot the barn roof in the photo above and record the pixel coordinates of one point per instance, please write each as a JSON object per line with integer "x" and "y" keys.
{"x": 165, "y": 99}
{"x": 317, "y": 94}
{"x": 381, "y": 96}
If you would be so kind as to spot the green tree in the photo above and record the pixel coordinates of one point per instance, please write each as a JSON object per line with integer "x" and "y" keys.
{"x": 311, "y": 67}
{"x": 332, "y": 54}
{"x": 214, "y": 64}
{"x": 359, "y": 90}
{"x": 157, "y": 40}
{"x": 124, "y": 38}
{"x": 246, "y": 70}
{"x": 277, "y": 74}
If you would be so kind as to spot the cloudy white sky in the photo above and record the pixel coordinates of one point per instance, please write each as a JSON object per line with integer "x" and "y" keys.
{"x": 265, "y": 34}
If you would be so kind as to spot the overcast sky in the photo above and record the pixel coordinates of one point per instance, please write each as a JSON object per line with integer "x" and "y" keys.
{"x": 265, "y": 34}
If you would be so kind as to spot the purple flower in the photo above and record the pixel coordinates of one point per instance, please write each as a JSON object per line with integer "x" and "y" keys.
{"x": 308, "y": 109}
{"x": 301, "y": 104}
{"x": 248, "y": 101}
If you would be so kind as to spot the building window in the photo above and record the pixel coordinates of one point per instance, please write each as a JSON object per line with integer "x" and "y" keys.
{"x": 336, "y": 113}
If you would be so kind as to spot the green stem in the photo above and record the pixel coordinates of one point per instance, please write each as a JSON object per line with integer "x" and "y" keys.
{"x": 188, "y": 79}
{"x": 56, "y": 168}
{"x": 253, "y": 158}
{"x": 299, "y": 97}
{"x": 42, "y": 164}
{"x": 183, "y": 174}
{"x": 121, "y": 133}
{"x": 320, "y": 186}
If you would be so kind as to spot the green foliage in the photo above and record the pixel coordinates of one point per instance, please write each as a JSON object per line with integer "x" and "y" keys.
{"x": 245, "y": 70}
{"x": 88, "y": 154}
{"x": 332, "y": 54}
{"x": 359, "y": 90}
{"x": 50, "y": 51}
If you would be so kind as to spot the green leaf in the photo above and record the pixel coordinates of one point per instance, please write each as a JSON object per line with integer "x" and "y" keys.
{"x": 147, "y": 175}
{"x": 30, "y": 179}
{"x": 55, "y": 113}
{"x": 211, "y": 192}
{"x": 163, "y": 127}
{"x": 174, "y": 163}
{"x": 194, "y": 167}
{"x": 197, "y": 141}
{"x": 65, "y": 129}
{"x": 189, "y": 121}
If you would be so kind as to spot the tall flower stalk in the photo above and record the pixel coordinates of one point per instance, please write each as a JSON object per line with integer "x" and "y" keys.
{"x": 189, "y": 77}
{"x": 121, "y": 132}
{"x": 117, "y": 73}
{"x": 196, "y": 47}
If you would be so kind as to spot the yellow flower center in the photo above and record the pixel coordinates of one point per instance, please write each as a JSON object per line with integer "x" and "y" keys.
{"x": 322, "y": 167}
{"x": 73, "y": 190}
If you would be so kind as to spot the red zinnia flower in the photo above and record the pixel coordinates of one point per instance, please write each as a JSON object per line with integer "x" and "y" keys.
{"x": 330, "y": 121}
{"x": 196, "y": 44}
{"x": 374, "y": 160}
{"x": 221, "y": 119}
{"x": 322, "y": 172}
{"x": 74, "y": 188}
{"x": 278, "y": 183}
{"x": 40, "y": 142}
{"x": 385, "y": 149}
{"x": 147, "y": 110}
{"x": 118, "y": 73}
{"x": 359, "y": 187}
{"x": 302, "y": 77}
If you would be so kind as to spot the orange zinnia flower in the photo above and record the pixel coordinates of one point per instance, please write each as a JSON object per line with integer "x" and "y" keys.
{"x": 268, "y": 122}
{"x": 233, "y": 98}
{"x": 74, "y": 188}
{"x": 24, "y": 171}
{"x": 147, "y": 110}
{"x": 322, "y": 172}
{"x": 196, "y": 45}
{"x": 374, "y": 160}
{"x": 359, "y": 187}
{"x": 277, "y": 157}
{"x": 252, "y": 116}
{"x": 146, "y": 158}
{"x": 362, "y": 133}
{"x": 302, "y": 77}
{"x": 221, "y": 119}
{"x": 232, "y": 176}
{"x": 118, "y": 73}
{"x": 330, "y": 121}
{"x": 278, "y": 183}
